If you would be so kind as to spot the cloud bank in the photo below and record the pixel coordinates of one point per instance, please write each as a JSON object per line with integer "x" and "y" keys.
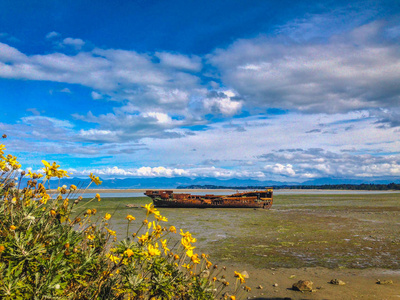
{"x": 297, "y": 105}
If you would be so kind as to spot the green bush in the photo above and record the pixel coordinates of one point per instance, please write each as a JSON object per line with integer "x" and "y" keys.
{"x": 53, "y": 247}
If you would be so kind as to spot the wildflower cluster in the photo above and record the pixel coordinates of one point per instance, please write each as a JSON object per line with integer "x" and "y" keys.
{"x": 54, "y": 245}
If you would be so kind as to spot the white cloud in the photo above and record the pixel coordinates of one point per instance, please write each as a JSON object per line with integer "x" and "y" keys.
{"x": 224, "y": 105}
{"x": 34, "y": 111}
{"x": 179, "y": 61}
{"x": 118, "y": 74}
{"x": 348, "y": 83}
{"x": 75, "y": 43}
{"x": 9, "y": 54}
{"x": 322, "y": 25}
{"x": 42, "y": 120}
{"x": 280, "y": 143}
{"x": 159, "y": 117}
{"x": 100, "y": 136}
{"x": 160, "y": 172}
{"x": 348, "y": 72}
{"x": 281, "y": 169}
{"x": 133, "y": 172}
{"x": 131, "y": 126}
{"x": 96, "y": 96}
{"x": 66, "y": 90}
{"x": 52, "y": 34}
{"x": 222, "y": 102}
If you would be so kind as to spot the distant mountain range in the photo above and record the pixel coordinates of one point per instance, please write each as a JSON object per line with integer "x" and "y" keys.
{"x": 175, "y": 182}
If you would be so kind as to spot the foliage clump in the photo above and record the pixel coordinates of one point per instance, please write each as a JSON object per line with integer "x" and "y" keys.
{"x": 53, "y": 245}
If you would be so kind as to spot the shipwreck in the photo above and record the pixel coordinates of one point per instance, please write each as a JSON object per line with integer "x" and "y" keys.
{"x": 253, "y": 199}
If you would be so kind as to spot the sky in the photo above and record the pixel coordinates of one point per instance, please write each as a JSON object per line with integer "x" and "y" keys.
{"x": 266, "y": 90}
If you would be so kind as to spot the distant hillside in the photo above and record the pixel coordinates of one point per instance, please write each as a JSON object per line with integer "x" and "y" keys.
{"x": 213, "y": 183}
{"x": 368, "y": 187}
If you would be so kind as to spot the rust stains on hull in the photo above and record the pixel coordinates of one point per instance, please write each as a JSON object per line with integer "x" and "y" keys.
{"x": 254, "y": 199}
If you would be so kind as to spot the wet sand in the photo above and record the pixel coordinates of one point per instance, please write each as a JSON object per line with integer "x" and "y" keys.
{"x": 360, "y": 284}
{"x": 354, "y": 238}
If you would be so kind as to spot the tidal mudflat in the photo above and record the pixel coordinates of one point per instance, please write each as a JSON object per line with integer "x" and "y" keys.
{"x": 355, "y": 236}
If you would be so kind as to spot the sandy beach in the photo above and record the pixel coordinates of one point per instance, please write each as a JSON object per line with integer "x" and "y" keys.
{"x": 359, "y": 284}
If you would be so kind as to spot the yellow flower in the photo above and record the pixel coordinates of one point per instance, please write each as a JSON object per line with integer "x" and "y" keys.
{"x": 53, "y": 212}
{"x": 2, "y": 248}
{"x": 89, "y": 211}
{"x": 144, "y": 238}
{"x": 73, "y": 187}
{"x": 90, "y": 237}
{"x": 161, "y": 218}
{"x": 94, "y": 211}
{"x": 30, "y": 174}
{"x": 111, "y": 232}
{"x": 12, "y": 161}
{"x": 208, "y": 264}
{"x": 240, "y": 277}
{"x": 98, "y": 197}
{"x": 186, "y": 244}
{"x": 172, "y": 229}
{"x": 41, "y": 188}
{"x": 46, "y": 164}
{"x": 233, "y": 297}
{"x": 12, "y": 227}
{"x": 53, "y": 171}
{"x": 188, "y": 236}
{"x": 95, "y": 179}
{"x": 130, "y": 218}
{"x": 152, "y": 251}
{"x": 164, "y": 246}
{"x": 45, "y": 197}
{"x": 128, "y": 252}
{"x": 2, "y": 148}
{"x": 195, "y": 259}
{"x": 150, "y": 209}
{"x": 189, "y": 253}
{"x": 113, "y": 258}
{"x": 107, "y": 217}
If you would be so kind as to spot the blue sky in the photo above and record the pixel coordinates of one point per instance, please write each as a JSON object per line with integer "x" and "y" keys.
{"x": 268, "y": 90}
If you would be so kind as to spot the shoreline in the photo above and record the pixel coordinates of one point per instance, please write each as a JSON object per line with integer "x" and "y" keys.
{"x": 123, "y": 191}
{"x": 232, "y": 191}
{"x": 277, "y": 283}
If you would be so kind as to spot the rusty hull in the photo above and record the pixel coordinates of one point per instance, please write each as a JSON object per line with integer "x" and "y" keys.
{"x": 254, "y": 199}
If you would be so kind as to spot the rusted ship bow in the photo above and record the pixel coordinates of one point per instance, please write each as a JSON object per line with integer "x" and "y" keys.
{"x": 254, "y": 199}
